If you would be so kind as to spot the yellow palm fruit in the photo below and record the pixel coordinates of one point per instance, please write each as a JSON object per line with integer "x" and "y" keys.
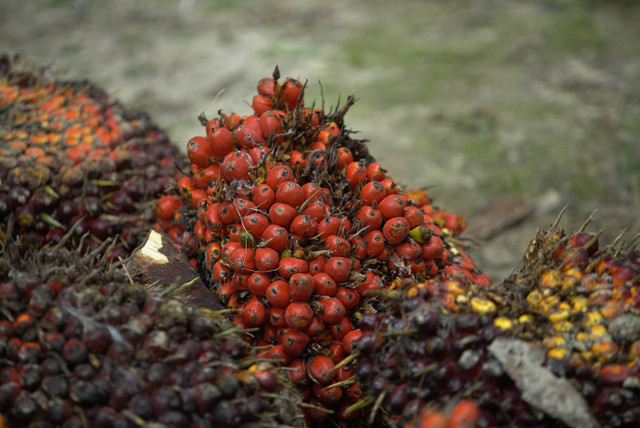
{"x": 551, "y": 279}
{"x": 525, "y": 319}
{"x": 549, "y": 303}
{"x": 503, "y": 323}
{"x": 534, "y": 298}
{"x": 557, "y": 353}
{"x": 554, "y": 341}
{"x": 561, "y": 313}
{"x": 483, "y": 306}
{"x": 593, "y": 318}
{"x": 563, "y": 326}
{"x": 579, "y": 304}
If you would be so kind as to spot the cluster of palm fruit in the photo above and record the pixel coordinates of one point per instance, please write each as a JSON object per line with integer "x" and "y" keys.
{"x": 291, "y": 222}
{"x": 72, "y": 158}
{"x": 575, "y": 301}
{"x": 83, "y": 343}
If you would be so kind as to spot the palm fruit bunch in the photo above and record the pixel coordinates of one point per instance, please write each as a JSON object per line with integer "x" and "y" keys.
{"x": 292, "y": 222}
{"x": 72, "y": 158}
{"x": 575, "y": 304}
{"x": 83, "y": 343}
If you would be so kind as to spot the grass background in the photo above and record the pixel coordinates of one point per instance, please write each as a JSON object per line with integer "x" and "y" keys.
{"x": 480, "y": 100}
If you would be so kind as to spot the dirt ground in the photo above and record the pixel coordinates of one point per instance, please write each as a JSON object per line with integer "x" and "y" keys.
{"x": 507, "y": 111}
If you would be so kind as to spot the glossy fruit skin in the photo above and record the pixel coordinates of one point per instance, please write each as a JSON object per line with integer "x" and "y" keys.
{"x": 221, "y": 142}
{"x": 395, "y": 230}
{"x": 298, "y": 315}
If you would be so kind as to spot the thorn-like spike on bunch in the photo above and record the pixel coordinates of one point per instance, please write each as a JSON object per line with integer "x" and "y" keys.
{"x": 346, "y": 361}
{"x": 349, "y": 381}
{"x": 617, "y": 239}
{"x": 360, "y": 404}
{"x": 376, "y": 406}
{"x": 587, "y": 221}
{"x": 276, "y": 74}
{"x": 557, "y": 220}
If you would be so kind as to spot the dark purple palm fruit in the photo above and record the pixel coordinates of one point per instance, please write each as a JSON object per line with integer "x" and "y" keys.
{"x": 72, "y": 157}
{"x": 83, "y": 340}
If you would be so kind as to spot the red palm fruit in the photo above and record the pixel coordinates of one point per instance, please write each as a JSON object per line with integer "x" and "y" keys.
{"x": 242, "y": 260}
{"x": 258, "y": 283}
{"x": 358, "y": 248}
{"x": 430, "y": 419}
{"x": 345, "y": 157}
{"x": 350, "y": 338}
{"x": 409, "y": 250}
{"x": 356, "y": 173}
{"x": 337, "y": 246}
{"x": 327, "y": 396}
{"x": 199, "y": 152}
{"x": 212, "y": 219}
{"x": 375, "y": 172}
{"x": 292, "y": 91}
{"x": 433, "y": 248}
{"x": 324, "y": 285}
{"x": 263, "y": 196}
{"x": 227, "y": 249}
{"x": 282, "y": 214}
{"x": 254, "y": 313}
{"x": 276, "y": 317}
{"x": 271, "y": 124}
{"x": 220, "y": 272}
{"x": 314, "y": 192}
{"x": 348, "y": 296}
{"x": 464, "y": 415}
{"x": 455, "y": 223}
{"x": 371, "y": 282}
{"x": 267, "y": 87}
{"x": 279, "y": 174}
{"x": 212, "y": 125}
{"x": 316, "y": 327}
{"x": 297, "y": 159}
{"x": 585, "y": 239}
{"x": 390, "y": 185}
{"x": 316, "y": 209}
{"x": 258, "y": 153}
{"x": 374, "y": 240}
{"x": 370, "y": 217}
{"x": 414, "y": 215}
{"x": 269, "y": 333}
{"x": 248, "y": 134}
{"x": 220, "y": 142}
{"x": 225, "y": 212}
{"x": 329, "y": 225}
{"x": 255, "y": 223}
{"x": 372, "y": 192}
{"x": 395, "y": 230}
{"x": 316, "y": 265}
{"x": 294, "y": 342}
{"x": 166, "y": 207}
{"x": 291, "y": 265}
{"x": 303, "y": 225}
{"x": 392, "y": 206}
{"x": 266, "y": 259}
{"x": 261, "y": 103}
{"x": 185, "y": 186}
{"x": 234, "y": 233}
{"x": 290, "y": 193}
{"x": 277, "y": 353}
{"x": 338, "y": 268}
{"x": 240, "y": 281}
{"x": 301, "y": 286}
{"x": 330, "y": 310}
{"x": 275, "y": 237}
{"x": 277, "y": 293}
{"x": 236, "y": 165}
{"x": 614, "y": 374}
{"x": 321, "y": 369}
{"x": 240, "y": 208}
{"x": 340, "y": 329}
{"x": 198, "y": 230}
{"x": 336, "y": 352}
{"x": 298, "y": 373}
{"x": 298, "y": 315}
{"x": 196, "y": 196}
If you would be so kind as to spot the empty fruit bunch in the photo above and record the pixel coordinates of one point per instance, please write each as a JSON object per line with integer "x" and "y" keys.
{"x": 72, "y": 158}
{"x": 292, "y": 222}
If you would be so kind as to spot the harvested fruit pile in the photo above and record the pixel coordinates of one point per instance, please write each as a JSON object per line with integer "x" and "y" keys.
{"x": 436, "y": 344}
{"x": 292, "y": 222}
{"x": 72, "y": 158}
{"x": 82, "y": 343}
{"x": 349, "y": 300}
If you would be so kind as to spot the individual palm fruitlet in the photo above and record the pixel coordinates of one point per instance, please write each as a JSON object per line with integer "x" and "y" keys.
{"x": 73, "y": 159}
{"x": 575, "y": 302}
{"x": 83, "y": 343}
{"x": 292, "y": 223}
